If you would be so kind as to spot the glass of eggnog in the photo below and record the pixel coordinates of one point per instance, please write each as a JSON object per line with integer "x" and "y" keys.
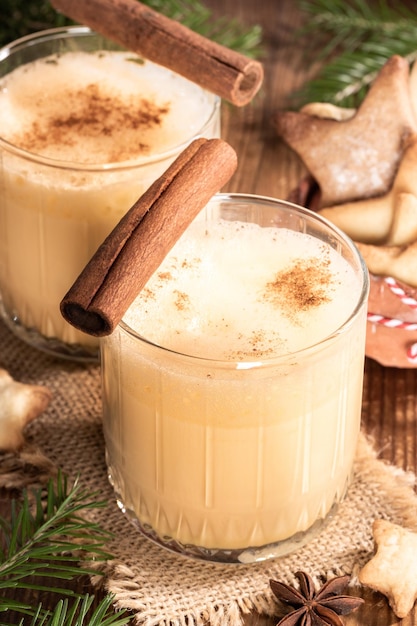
{"x": 232, "y": 387}
{"x": 85, "y": 128}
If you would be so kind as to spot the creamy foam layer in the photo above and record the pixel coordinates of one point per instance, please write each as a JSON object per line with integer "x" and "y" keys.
{"x": 268, "y": 292}
{"x": 99, "y": 107}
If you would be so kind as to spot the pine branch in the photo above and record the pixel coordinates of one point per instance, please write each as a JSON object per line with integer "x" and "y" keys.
{"x": 32, "y": 539}
{"x": 21, "y": 17}
{"x": 47, "y": 538}
{"x": 352, "y": 41}
{"x": 79, "y": 614}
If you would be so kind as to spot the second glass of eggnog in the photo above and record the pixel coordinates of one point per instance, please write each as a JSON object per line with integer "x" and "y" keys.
{"x": 232, "y": 387}
{"x": 85, "y": 128}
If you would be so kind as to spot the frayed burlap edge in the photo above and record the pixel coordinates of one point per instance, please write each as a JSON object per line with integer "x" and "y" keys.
{"x": 398, "y": 485}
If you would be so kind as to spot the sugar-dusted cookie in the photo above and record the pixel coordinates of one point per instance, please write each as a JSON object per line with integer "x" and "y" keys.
{"x": 19, "y": 404}
{"x": 393, "y": 569}
{"x": 356, "y": 157}
{"x": 389, "y": 219}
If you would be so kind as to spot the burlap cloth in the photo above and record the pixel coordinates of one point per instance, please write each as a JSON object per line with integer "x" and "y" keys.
{"x": 159, "y": 587}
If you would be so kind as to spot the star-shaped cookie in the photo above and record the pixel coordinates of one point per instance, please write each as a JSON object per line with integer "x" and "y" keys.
{"x": 389, "y": 219}
{"x": 393, "y": 569}
{"x": 356, "y": 157}
{"x": 20, "y": 403}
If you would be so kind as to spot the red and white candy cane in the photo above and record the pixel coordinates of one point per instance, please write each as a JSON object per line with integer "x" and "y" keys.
{"x": 391, "y": 322}
{"x": 399, "y": 291}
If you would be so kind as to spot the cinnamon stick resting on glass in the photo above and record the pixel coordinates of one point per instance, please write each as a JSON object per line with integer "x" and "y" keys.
{"x": 135, "y": 26}
{"x": 141, "y": 240}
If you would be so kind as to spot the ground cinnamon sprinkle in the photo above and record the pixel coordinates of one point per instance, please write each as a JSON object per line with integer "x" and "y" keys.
{"x": 163, "y": 276}
{"x": 182, "y": 300}
{"x": 302, "y": 287}
{"x": 147, "y": 294}
{"x": 261, "y": 344}
{"x": 187, "y": 264}
{"x": 91, "y": 112}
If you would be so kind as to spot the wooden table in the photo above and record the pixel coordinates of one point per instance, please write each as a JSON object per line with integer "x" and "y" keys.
{"x": 268, "y": 167}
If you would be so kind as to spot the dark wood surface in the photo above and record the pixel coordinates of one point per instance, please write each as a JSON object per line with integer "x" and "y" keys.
{"x": 267, "y": 167}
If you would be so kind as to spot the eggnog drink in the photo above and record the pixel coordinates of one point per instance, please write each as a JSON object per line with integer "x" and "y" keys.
{"x": 232, "y": 387}
{"x": 84, "y": 130}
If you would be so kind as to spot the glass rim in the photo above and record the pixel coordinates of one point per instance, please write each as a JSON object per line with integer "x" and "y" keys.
{"x": 79, "y": 31}
{"x": 273, "y": 360}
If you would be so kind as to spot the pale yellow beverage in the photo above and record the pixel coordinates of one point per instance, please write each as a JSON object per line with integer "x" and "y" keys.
{"x": 85, "y": 128}
{"x": 232, "y": 387}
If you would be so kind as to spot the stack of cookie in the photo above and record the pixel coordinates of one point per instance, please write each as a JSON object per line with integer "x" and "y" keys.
{"x": 363, "y": 164}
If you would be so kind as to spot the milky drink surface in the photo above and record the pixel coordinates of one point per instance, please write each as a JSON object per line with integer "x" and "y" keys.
{"x": 100, "y": 120}
{"x": 240, "y": 431}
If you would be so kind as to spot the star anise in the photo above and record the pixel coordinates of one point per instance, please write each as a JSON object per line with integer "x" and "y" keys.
{"x": 312, "y": 607}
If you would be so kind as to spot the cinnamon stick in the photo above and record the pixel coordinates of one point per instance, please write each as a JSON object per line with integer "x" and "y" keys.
{"x": 136, "y": 27}
{"x": 138, "y": 244}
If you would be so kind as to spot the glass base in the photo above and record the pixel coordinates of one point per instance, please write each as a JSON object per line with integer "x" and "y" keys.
{"x": 243, "y": 556}
{"x": 50, "y": 345}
